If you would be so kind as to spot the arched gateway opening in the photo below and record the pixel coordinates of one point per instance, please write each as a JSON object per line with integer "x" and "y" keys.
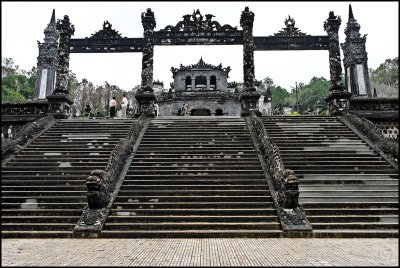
{"x": 200, "y": 112}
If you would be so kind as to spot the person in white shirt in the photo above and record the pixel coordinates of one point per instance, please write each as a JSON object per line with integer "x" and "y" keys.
{"x": 124, "y": 105}
{"x": 157, "y": 109}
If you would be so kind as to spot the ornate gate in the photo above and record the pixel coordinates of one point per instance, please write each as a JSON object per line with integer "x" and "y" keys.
{"x": 194, "y": 29}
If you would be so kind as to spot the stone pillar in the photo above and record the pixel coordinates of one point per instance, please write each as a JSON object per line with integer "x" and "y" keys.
{"x": 149, "y": 23}
{"x": 249, "y": 97}
{"x": 47, "y": 61}
{"x": 338, "y": 98}
{"x": 193, "y": 83}
{"x": 208, "y": 83}
{"x": 59, "y": 102}
{"x": 355, "y": 59}
{"x": 145, "y": 95}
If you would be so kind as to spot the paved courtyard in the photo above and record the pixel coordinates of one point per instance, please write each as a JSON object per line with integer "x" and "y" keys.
{"x": 200, "y": 252}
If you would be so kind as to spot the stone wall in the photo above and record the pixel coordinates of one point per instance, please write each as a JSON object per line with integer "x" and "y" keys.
{"x": 179, "y": 78}
{"x": 228, "y": 106}
{"x": 388, "y": 129}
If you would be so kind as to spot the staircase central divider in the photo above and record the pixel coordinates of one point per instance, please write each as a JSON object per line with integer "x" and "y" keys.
{"x": 103, "y": 185}
{"x": 283, "y": 184}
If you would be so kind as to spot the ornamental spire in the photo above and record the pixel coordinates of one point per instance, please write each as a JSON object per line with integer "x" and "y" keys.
{"x": 351, "y": 17}
{"x": 53, "y": 17}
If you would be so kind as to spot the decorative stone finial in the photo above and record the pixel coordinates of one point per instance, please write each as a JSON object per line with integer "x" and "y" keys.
{"x": 351, "y": 17}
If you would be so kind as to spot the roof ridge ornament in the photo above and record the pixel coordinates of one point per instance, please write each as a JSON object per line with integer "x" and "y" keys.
{"x": 290, "y": 29}
{"x": 196, "y": 22}
{"x": 201, "y": 64}
{"x": 106, "y": 33}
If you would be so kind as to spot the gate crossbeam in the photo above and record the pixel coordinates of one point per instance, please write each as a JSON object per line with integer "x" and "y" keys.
{"x": 87, "y": 45}
{"x": 316, "y": 42}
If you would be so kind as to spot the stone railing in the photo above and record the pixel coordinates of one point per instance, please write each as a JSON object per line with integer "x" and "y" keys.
{"x": 103, "y": 185}
{"x": 387, "y": 146}
{"x": 285, "y": 182}
{"x": 25, "y": 135}
{"x": 284, "y": 187}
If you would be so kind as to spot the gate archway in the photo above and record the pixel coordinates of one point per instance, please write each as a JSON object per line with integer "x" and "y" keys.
{"x": 194, "y": 29}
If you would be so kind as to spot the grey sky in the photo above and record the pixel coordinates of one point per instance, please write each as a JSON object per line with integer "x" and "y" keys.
{"x": 22, "y": 23}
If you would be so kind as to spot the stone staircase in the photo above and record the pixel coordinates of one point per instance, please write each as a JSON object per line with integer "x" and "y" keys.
{"x": 43, "y": 187}
{"x": 194, "y": 177}
{"x": 346, "y": 188}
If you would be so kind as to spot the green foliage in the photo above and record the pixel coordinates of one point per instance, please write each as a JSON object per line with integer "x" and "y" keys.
{"x": 316, "y": 90}
{"x": 16, "y": 85}
{"x": 10, "y": 95}
{"x": 387, "y": 72}
{"x": 294, "y": 114}
{"x": 279, "y": 95}
{"x": 325, "y": 112}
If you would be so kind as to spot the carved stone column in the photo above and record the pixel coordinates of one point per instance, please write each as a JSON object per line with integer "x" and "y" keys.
{"x": 47, "y": 61}
{"x": 249, "y": 97}
{"x": 146, "y": 94}
{"x": 338, "y": 98}
{"x": 59, "y": 102}
{"x": 355, "y": 59}
{"x": 208, "y": 83}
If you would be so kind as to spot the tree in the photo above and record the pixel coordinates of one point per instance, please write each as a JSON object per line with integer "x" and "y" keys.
{"x": 387, "y": 72}
{"x": 19, "y": 81}
{"x": 8, "y": 67}
{"x": 386, "y": 78}
{"x": 316, "y": 90}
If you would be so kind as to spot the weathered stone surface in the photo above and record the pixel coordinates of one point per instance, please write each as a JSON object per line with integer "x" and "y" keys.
{"x": 65, "y": 29}
{"x": 101, "y": 183}
{"x": 290, "y": 29}
{"x": 25, "y": 134}
{"x": 355, "y": 59}
{"x": 368, "y": 129}
{"x": 285, "y": 182}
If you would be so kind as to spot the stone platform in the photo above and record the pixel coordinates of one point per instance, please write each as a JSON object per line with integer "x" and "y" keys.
{"x": 200, "y": 252}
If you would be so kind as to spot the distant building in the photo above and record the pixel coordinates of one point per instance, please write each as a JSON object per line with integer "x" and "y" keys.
{"x": 204, "y": 87}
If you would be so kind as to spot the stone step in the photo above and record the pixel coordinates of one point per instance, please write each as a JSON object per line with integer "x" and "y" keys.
{"x": 341, "y": 211}
{"x": 366, "y": 177}
{"x": 193, "y": 156}
{"x": 42, "y": 193}
{"x": 28, "y": 219}
{"x": 42, "y": 212}
{"x": 196, "y": 172}
{"x": 192, "y": 219}
{"x": 378, "y": 219}
{"x": 302, "y": 162}
{"x": 194, "y": 211}
{"x": 185, "y": 192}
{"x": 348, "y": 187}
{"x": 316, "y": 198}
{"x": 350, "y": 205}
{"x": 385, "y": 171}
{"x": 198, "y": 161}
{"x": 199, "y": 182}
{"x": 140, "y": 167}
{"x": 192, "y": 187}
{"x": 63, "y": 166}
{"x": 44, "y": 199}
{"x": 192, "y": 233}
{"x": 44, "y": 205}
{"x": 30, "y": 226}
{"x": 194, "y": 225}
{"x": 40, "y": 188}
{"x": 185, "y": 198}
{"x": 251, "y": 204}
{"x": 351, "y": 233}
{"x": 354, "y": 225}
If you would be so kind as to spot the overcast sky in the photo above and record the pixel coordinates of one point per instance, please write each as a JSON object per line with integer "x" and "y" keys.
{"x": 22, "y": 23}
